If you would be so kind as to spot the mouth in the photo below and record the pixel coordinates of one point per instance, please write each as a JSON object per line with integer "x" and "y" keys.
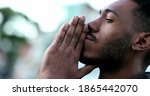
{"x": 90, "y": 36}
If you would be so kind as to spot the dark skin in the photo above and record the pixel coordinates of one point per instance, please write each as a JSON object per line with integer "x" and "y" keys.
{"x": 112, "y": 45}
{"x": 61, "y": 58}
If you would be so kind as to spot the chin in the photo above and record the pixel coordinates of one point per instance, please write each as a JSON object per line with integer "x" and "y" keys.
{"x": 83, "y": 59}
{"x": 87, "y": 60}
{"x": 86, "y": 57}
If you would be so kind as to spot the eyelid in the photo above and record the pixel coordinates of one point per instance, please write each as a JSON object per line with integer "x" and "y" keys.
{"x": 109, "y": 20}
{"x": 109, "y": 17}
{"x": 105, "y": 16}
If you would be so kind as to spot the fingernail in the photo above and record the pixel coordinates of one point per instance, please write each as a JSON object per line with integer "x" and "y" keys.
{"x": 76, "y": 18}
{"x": 71, "y": 20}
{"x": 82, "y": 18}
{"x": 74, "y": 21}
{"x": 66, "y": 26}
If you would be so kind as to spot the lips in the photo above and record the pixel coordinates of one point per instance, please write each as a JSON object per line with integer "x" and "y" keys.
{"x": 90, "y": 33}
{"x": 90, "y": 36}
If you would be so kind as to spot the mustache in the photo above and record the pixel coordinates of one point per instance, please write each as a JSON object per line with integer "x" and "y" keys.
{"x": 90, "y": 32}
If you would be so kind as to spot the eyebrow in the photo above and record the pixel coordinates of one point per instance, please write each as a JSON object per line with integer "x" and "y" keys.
{"x": 109, "y": 11}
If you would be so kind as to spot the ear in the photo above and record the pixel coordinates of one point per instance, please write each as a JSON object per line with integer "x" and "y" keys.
{"x": 141, "y": 42}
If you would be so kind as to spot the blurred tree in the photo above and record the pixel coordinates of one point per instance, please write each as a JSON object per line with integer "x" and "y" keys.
{"x": 10, "y": 44}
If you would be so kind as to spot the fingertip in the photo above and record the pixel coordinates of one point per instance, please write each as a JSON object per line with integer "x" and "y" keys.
{"x": 82, "y": 18}
{"x": 65, "y": 27}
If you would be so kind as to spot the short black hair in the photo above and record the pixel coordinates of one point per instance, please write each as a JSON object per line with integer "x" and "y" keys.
{"x": 142, "y": 15}
{"x": 142, "y": 22}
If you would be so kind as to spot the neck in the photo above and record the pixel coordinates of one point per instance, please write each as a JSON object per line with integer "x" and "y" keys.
{"x": 123, "y": 74}
{"x": 127, "y": 71}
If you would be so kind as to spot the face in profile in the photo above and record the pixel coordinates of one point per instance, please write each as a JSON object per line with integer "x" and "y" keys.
{"x": 109, "y": 37}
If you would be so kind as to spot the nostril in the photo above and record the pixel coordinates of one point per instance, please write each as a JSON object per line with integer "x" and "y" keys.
{"x": 92, "y": 28}
{"x": 89, "y": 27}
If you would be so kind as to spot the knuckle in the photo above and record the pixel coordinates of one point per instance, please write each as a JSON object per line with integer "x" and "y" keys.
{"x": 76, "y": 35}
{"x": 69, "y": 35}
{"x": 73, "y": 23}
{"x": 60, "y": 40}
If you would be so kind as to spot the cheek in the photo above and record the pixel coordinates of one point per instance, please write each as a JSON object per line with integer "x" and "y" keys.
{"x": 109, "y": 33}
{"x": 92, "y": 49}
{"x": 105, "y": 35}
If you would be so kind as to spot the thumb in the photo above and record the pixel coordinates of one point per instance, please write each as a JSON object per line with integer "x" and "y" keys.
{"x": 86, "y": 70}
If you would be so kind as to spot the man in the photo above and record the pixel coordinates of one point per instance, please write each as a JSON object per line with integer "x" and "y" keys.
{"x": 117, "y": 42}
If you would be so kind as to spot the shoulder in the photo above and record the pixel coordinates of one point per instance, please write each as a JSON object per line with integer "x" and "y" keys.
{"x": 145, "y": 75}
{"x": 148, "y": 75}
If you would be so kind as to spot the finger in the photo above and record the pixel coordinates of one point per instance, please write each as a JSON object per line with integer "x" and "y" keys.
{"x": 80, "y": 43}
{"x": 70, "y": 31}
{"x": 77, "y": 33}
{"x": 86, "y": 70}
{"x": 60, "y": 36}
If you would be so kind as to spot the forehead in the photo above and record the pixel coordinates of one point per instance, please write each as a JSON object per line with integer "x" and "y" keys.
{"x": 123, "y": 7}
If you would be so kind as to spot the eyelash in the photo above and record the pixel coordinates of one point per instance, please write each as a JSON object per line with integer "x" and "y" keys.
{"x": 109, "y": 20}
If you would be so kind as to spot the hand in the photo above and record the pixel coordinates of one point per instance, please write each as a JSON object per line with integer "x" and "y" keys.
{"x": 61, "y": 58}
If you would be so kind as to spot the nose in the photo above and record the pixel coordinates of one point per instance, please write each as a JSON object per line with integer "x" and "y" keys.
{"x": 93, "y": 26}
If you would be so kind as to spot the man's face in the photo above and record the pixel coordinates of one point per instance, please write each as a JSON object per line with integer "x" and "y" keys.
{"x": 111, "y": 34}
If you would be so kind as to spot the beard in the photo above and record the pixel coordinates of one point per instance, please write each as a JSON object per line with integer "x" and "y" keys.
{"x": 112, "y": 54}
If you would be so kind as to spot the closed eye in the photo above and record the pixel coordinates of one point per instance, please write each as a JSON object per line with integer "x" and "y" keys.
{"x": 109, "y": 20}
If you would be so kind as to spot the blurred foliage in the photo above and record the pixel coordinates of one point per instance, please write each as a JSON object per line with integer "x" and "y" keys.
{"x": 10, "y": 44}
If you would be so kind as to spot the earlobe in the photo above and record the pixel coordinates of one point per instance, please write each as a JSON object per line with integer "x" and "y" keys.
{"x": 141, "y": 42}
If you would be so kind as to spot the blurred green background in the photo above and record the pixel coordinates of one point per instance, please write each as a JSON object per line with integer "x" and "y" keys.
{"x": 27, "y": 28}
